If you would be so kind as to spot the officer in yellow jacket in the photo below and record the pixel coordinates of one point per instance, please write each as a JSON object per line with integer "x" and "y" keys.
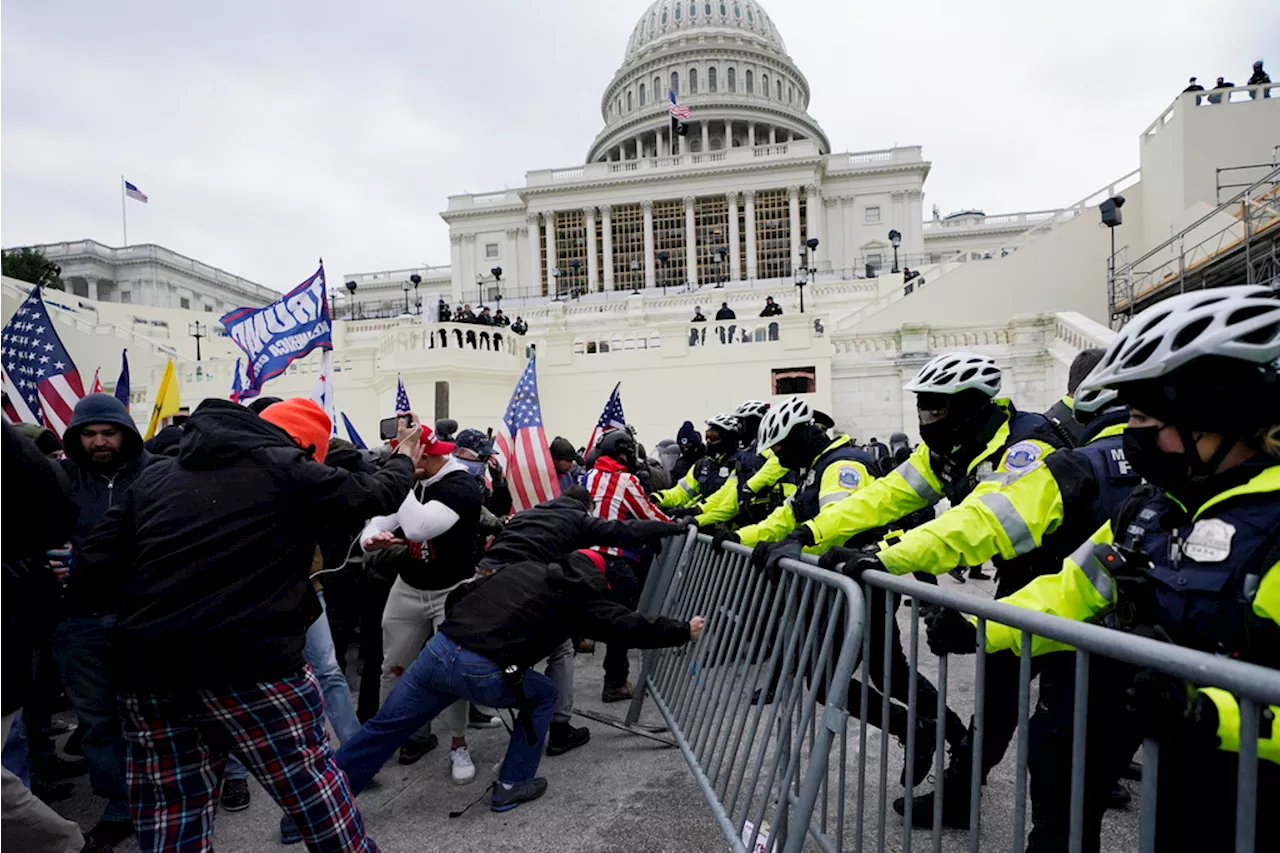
{"x": 1193, "y": 557}
{"x": 706, "y": 476}
{"x": 757, "y": 485}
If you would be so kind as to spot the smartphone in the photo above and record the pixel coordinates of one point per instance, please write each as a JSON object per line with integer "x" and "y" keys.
{"x": 388, "y": 428}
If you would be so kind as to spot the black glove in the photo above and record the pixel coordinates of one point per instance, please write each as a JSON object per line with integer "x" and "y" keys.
{"x": 1158, "y": 701}
{"x": 724, "y": 536}
{"x": 949, "y": 633}
{"x": 769, "y": 555}
{"x": 680, "y": 512}
{"x": 851, "y": 562}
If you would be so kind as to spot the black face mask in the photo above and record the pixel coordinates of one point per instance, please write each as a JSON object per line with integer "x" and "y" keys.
{"x": 1164, "y": 470}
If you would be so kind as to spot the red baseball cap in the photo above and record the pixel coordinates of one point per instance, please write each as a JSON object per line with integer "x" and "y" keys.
{"x": 596, "y": 558}
{"x": 431, "y": 446}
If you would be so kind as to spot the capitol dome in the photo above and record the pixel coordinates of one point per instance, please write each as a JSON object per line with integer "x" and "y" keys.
{"x": 726, "y": 61}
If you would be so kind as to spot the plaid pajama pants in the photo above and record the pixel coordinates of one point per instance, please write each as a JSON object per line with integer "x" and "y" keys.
{"x": 177, "y": 751}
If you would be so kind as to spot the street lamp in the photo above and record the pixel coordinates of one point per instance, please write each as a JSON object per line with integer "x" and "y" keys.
{"x": 664, "y": 258}
{"x": 555, "y": 278}
{"x": 351, "y": 304}
{"x": 722, "y": 265}
{"x": 417, "y": 280}
{"x": 197, "y": 331}
{"x": 802, "y": 277}
{"x": 812, "y": 243}
{"x": 635, "y": 277}
{"x": 895, "y": 240}
{"x": 405, "y": 285}
{"x": 575, "y": 287}
{"x": 497, "y": 283}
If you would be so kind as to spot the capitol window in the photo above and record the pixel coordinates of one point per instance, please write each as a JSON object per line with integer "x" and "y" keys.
{"x": 711, "y": 79}
{"x": 628, "y": 100}
{"x": 677, "y": 12}
{"x": 764, "y": 82}
{"x": 693, "y": 10}
{"x": 724, "y": 12}
{"x": 779, "y": 82}
{"x": 737, "y": 10}
{"x": 184, "y": 302}
{"x": 872, "y": 215}
{"x": 675, "y": 82}
{"x": 491, "y": 250}
{"x": 657, "y": 86}
{"x": 750, "y": 82}
{"x": 642, "y": 98}
{"x": 791, "y": 94}
{"x": 693, "y": 81}
{"x": 731, "y": 78}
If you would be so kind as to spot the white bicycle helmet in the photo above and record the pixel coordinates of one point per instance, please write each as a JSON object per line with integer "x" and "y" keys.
{"x": 1094, "y": 400}
{"x": 955, "y": 372}
{"x": 752, "y": 409}
{"x": 724, "y": 423}
{"x": 1240, "y": 323}
{"x": 781, "y": 421}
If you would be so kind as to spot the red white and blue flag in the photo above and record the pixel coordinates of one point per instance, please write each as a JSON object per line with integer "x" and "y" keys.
{"x": 402, "y": 397}
{"x": 678, "y": 110}
{"x": 41, "y": 383}
{"x": 611, "y": 418}
{"x": 522, "y": 442}
{"x": 322, "y": 390}
{"x": 134, "y": 193}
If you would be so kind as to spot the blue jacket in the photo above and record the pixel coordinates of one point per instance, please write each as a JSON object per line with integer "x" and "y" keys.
{"x": 93, "y": 490}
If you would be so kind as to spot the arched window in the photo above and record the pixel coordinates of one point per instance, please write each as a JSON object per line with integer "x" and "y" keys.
{"x": 731, "y": 78}
{"x": 711, "y": 79}
{"x": 677, "y": 11}
{"x": 628, "y": 100}
{"x": 693, "y": 81}
{"x": 764, "y": 78}
{"x": 693, "y": 10}
{"x": 675, "y": 82}
{"x": 750, "y": 82}
{"x": 779, "y": 82}
{"x": 642, "y": 98}
{"x": 791, "y": 94}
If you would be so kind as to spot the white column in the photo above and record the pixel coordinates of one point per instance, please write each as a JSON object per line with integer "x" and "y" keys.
{"x": 734, "y": 251}
{"x": 793, "y": 197}
{"x": 511, "y": 273}
{"x": 662, "y": 142}
{"x": 751, "y": 134}
{"x": 750, "y": 197}
{"x": 455, "y": 267}
{"x": 650, "y": 279}
{"x": 533, "y": 275}
{"x": 814, "y": 202}
{"x": 639, "y": 147}
{"x": 549, "y": 217}
{"x": 469, "y": 290}
{"x": 706, "y": 136}
{"x": 607, "y": 227}
{"x": 593, "y": 265}
{"x": 728, "y": 134}
{"x": 690, "y": 240}
{"x": 773, "y": 135}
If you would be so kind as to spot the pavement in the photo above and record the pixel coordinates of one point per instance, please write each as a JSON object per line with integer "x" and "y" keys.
{"x": 621, "y": 792}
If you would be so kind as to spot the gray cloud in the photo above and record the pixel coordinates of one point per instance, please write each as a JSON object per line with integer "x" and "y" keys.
{"x": 268, "y": 134}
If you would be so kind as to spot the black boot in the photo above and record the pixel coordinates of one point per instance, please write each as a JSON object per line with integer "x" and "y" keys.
{"x": 564, "y": 737}
{"x": 925, "y": 742}
{"x": 976, "y": 573}
{"x": 955, "y": 803}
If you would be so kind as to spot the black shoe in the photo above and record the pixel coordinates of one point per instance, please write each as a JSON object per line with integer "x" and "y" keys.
{"x": 56, "y": 769}
{"x": 1119, "y": 798}
{"x": 957, "y": 574}
{"x": 477, "y": 719}
{"x": 289, "y": 832}
{"x": 111, "y": 832}
{"x": 504, "y": 799}
{"x": 955, "y": 805}
{"x": 414, "y": 749}
{"x": 72, "y": 746}
{"x": 564, "y": 737}
{"x": 235, "y": 795}
{"x": 926, "y": 732}
{"x": 618, "y": 693}
{"x": 977, "y": 574}
{"x": 52, "y": 792}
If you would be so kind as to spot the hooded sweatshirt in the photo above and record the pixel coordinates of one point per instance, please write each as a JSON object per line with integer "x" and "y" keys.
{"x": 205, "y": 560}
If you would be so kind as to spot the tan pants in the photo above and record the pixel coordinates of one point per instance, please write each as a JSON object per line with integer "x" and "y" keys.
{"x": 28, "y": 824}
{"x": 408, "y": 621}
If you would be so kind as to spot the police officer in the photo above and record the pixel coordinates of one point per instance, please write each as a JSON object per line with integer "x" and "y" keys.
{"x": 708, "y": 474}
{"x": 757, "y": 486}
{"x": 1029, "y": 524}
{"x": 1061, "y": 413}
{"x": 1190, "y": 557}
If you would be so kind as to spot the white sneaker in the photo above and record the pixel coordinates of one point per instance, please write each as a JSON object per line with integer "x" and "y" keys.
{"x": 464, "y": 769}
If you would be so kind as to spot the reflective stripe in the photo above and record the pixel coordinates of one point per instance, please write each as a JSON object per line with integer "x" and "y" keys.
{"x": 688, "y": 490}
{"x": 1088, "y": 561}
{"x": 1015, "y": 527}
{"x": 917, "y": 481}
{"x": 832, "y": 498}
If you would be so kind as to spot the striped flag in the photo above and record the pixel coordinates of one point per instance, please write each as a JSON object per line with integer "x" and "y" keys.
{"x": 611, "y": 418}
{"x": 678, "y": 110}
{"x": 134, "y": 193}
{"x": 523, "y": 445}
{"x": 402, "y": 397}
{"x": 97, "y": 383}
{"x": 352, "y": 434}
{"x": 322, "y": 390}
{"x": 237, "y": 384}
{"x": 41, "y": 383}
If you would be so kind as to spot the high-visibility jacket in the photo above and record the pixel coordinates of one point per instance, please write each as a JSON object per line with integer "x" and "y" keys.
{"x": 837, "y": 472}
{"x": 1213, "y": 582}
{"x": 1046, "y": 508}
{"x": 764, "y": 474}
{"x": 704, "y": 478}
{"x": 925, "y": 478}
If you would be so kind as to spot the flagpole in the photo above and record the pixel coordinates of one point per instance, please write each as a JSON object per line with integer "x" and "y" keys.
{"x": 124, "y": 216}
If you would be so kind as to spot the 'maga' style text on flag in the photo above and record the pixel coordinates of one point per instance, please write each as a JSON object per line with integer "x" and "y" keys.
{"x": 289, "y": 328}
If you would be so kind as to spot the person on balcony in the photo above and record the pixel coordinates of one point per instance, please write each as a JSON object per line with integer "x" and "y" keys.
{"x": 725, "y": 313}
{"x": 1221, "y": 84}
{"x": 1193, "y": 86}
{"x": 771, "y": 308}
{"x": 1259, "y": 78}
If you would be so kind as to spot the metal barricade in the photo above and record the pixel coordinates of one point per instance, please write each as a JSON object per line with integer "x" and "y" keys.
{"x": 756, "y": 705}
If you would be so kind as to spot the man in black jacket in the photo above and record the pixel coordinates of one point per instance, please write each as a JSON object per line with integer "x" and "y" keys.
{"x": 205, "y": 563}
{"x": 104, "y": 457}
{"x": 544, "y": 532}
{"x": 497, "y": 628}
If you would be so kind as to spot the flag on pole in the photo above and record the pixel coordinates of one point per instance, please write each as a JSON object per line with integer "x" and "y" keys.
{"x": 402, "y": 397}
{"x": 237, "y": 386}
{"x": 41, "y": 383}
{"x": 610, "y": 418}
{"x": 287, "y": 329}
{"x": 322, "y": 391}
{"x": 523, "y": 445}
{"x": 134, "y": 193}
{"x": 679, "y": 115}
{"x": 122, "y": 383}
{"x": 352, "y": 434}
{"x": 167, "y": 403}
{"x": 97, "y": 383}
{"x": 678, "y": 110}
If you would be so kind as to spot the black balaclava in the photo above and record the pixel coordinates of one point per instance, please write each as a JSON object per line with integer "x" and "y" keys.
{"x": 721, "y": 442}
{"x": 801, "y": 447}
{"x": 959, "y": 426}
{"x": 750, "y": 429}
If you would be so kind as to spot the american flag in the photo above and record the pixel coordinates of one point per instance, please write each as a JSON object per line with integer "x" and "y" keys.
{"x": 134, "y": 193}
{"x": 97, "y": 382}
{"x": 678, "y": 110}
{"x": 41, "y": 382}
{"x": 610, "y": 418}
{"x": 402, "y": 397}
{"x": 523, "y": 444}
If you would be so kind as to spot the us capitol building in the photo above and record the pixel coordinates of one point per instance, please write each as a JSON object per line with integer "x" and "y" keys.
{"x": 606, "y": 260}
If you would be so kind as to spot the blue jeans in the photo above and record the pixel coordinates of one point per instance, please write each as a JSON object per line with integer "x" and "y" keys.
{"x": 338, "y": 706}
{"x": 14, "y": 756}
{"x": 443, "y": 673}
{"x": 82, "y": 645}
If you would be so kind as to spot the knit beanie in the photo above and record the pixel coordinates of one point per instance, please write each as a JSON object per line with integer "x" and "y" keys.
{"x": 305, "y": 422}
{"x": 596, "y": 558}
{"x": 688, "y": 435}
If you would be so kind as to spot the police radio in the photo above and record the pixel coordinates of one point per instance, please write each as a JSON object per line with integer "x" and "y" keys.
{"x": 1135, "y": 605}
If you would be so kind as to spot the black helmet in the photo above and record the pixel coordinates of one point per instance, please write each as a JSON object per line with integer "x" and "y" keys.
{"x": 619, "y": 446}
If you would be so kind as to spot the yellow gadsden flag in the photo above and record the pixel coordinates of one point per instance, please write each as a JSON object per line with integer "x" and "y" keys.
{"x": 166, "y": 399}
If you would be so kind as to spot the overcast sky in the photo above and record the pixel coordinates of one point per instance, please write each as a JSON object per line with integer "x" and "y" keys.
{"x": 268, "y": 134}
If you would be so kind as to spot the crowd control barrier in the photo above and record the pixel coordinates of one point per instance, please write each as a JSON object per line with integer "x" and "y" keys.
{"x": 760, "y": 705}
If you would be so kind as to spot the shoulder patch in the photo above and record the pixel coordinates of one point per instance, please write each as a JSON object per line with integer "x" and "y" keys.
{"x": 1022, "y": 456}
{"x": 850, "y": 477}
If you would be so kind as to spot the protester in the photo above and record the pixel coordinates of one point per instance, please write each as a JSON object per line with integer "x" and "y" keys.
{"x": 725, "y": 312}
{"x": 1193, "y": 86}
{"x": 1259, "y": 78}
{"x": 500, "y": 319}
{"x": 519, "y": 327}
{"x": 443, "y": 315}
{"x": 691, "y": 450}
{"x": 570, "y": 466}
{"x": 498, "y": 628}
{"x": 771, "y": 308}
{"x": 1221, "y": 84}
{"x": 204, "y": 561}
